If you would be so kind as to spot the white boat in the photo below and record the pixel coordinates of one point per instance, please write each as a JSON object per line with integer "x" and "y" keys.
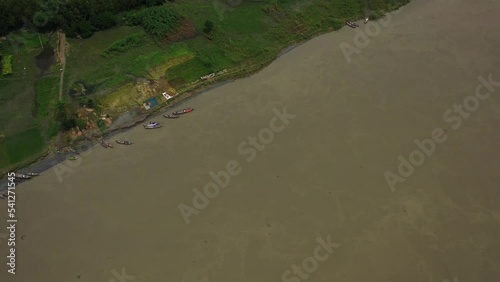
{"x": 22, "y": 176}
{"x": 152, "y": 125}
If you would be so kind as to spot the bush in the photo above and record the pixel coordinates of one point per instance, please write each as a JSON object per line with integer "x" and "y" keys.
{"x": 67, "y": 121}
{"x": 101, "y": 125}
{"x": 52, "y": 129}
{"x": 68, "y": 124}
{"x": 103, "y": 20}
{"x": 81, "y": 123}
{"x": 209, "y": 26}
{"x": 7, "y": 65}
{"x": 157, "y": 21}
{"x": 337, "y": 24}
{"x": 80, "y": 28}
{"x": 90, "y": 103}
{"x": 124, "y": 44}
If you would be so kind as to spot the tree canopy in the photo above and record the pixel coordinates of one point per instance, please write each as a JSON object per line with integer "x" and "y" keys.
{"x": 76, "y": 17}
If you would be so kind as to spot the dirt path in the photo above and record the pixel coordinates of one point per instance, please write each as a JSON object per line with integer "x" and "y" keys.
{"x": 61, "y": 54}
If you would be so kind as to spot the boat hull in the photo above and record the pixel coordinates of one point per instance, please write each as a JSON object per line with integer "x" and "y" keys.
{"x": 152, "y": 125}
{"x": 185, "y": 111}
{"x": 171, "y": 116}
{"x": 22, "y": 176}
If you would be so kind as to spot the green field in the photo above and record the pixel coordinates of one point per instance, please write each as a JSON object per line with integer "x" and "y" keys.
{"x": 19, "y": 147}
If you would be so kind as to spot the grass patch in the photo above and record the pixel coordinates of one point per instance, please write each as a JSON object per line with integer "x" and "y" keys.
{"x": 106, "y": 75}
{"x": 7, "y": 65}
{"x": 126, "y": 97}
{"x": 21, "y": 146}
{"x": 47, "y": 97}
{"x": 125, "y": 44}
{"x": 17, "y": 91}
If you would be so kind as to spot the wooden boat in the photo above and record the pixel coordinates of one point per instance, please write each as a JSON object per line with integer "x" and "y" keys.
{"x": 32, "y": 174}
{"x": 351, "y": 24}
{"x": 366, "y": 20}
{"x": 185, "y": 111}
{"x": 106, "y": 144}
{"x": 22, "y": 176}
{"x": 152, "y": 125}
{"x": 124, "y": 142}
{"x": 73, "y": 158}
{"x": 171, "y": 116}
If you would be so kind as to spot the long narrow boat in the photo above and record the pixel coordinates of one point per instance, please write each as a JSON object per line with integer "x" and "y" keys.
{"x": 106, "y": 144}
{"x": 32, "y": 174}
{"x": 73, "y": 158}
{"x": 351, "y": 24}
{"x": 124, "y": 142}
{"x": 171, "y": 116}
{"x": 184, "y": 111}
{"x": 22, "y": 176}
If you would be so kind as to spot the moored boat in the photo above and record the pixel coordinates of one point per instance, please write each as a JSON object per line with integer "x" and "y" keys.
{"x": 124, "y": 142}
{"x": 351, "y": 24}
{"x": 366, "y": 20}
{"x": 171, "y": 116}
{"x": 73, "y": 158}
{"x": 152, "y": 125}
{"x": 106, "y": 144}
{"x": 184, "y": 111}
{"x": 22, "y": 176}
{"x": 32, "y": 174}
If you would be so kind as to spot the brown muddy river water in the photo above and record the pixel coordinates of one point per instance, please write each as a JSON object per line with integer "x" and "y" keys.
{"x": 382, "y": 169}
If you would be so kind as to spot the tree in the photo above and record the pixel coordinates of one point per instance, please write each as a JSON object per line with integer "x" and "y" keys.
{"x": 68, "y": 124}
{"x": 90, "y": 103}
{"x": 103, "y": 20}
{"x": 81, "y": 123}
{"x": 79, "y": 28}
{"x": 209, "y": 26}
